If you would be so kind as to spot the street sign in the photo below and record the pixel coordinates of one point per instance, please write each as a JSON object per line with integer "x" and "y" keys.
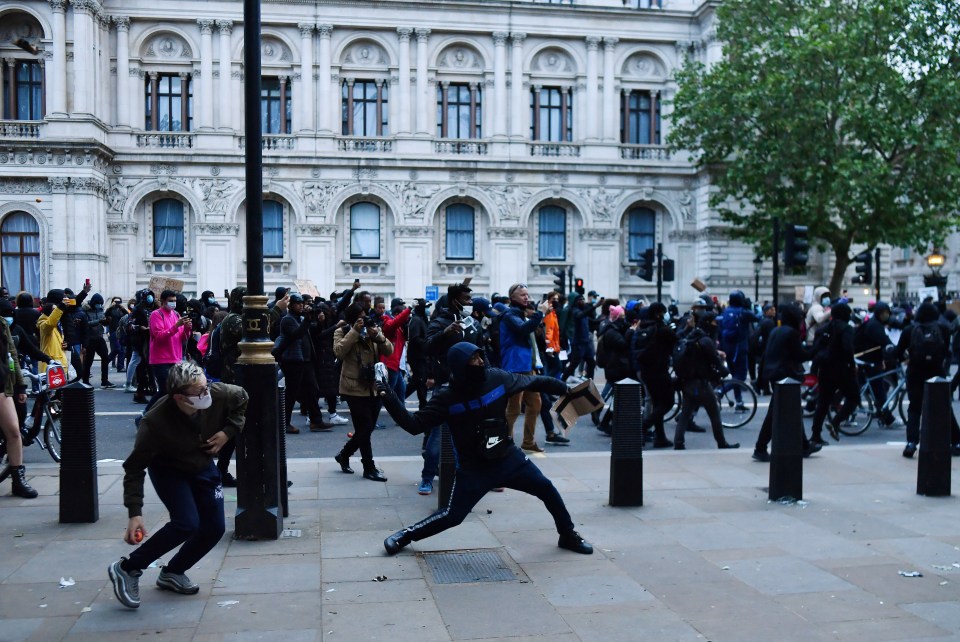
{"x": 433, "y": 293}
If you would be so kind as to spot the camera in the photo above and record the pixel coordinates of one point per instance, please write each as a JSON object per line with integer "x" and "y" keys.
{"x": 368, "y": 373}
{"x": 369, "y": 322}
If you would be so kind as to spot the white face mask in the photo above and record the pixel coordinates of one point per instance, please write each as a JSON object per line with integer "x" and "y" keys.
{"x": 467, "y": 310}
{"x": 171, "y": 305}
{"x": 199, "y": 403}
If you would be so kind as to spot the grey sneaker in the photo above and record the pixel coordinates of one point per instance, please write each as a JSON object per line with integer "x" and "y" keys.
{"x": 126, "y": 586}
{"x": 176, "y": 582}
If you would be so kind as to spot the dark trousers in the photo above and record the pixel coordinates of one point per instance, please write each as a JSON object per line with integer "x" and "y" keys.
{"x": 737, "y": 363}
{"x": 660, "y": 389}
{"x": 766, "y": 432}
{"x": 76, "y": 360}
{"x": 160, "y": 371}
{"x": 364, "y": 412}
{"x": 879, "y": 388}
{"x": 302, "y": 387}
{"x": 581, "y": 353}
{"x": 144, "y": 374}
{"x": 195, "y": 504}
{"x": 514, "y": 471}
{"x": 915, "y": 396}
{"x": 96, "y": 347}
{"x": 418, "y": 381}
{"x": 843, "y": 383}
{"x": 117, "y": 356}
{"x": 698, "y": 393}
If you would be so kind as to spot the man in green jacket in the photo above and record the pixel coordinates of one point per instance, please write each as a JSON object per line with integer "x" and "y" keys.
{"x": 175, "y": 445}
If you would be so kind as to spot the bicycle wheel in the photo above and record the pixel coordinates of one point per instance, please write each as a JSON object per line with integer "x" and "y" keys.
{"x": 51, "y": 436}
{"x": 677, "y": 404}
{"x": 900, "y": 405}
{"x": 733, "y": 415}
{"x": 862, "y": 415}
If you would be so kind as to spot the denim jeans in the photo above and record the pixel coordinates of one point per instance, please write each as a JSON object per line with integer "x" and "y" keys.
{"x": 135, "y": 360}
{"x": 397, "y": 382}
{"x": 160, "y": 371}
{"x": 195, "y": 504}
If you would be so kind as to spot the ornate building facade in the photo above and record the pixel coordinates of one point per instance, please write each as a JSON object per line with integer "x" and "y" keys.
{"x": 406, "y": 144}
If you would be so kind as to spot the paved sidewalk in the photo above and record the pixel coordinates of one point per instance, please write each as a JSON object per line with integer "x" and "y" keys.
{"x": 706, "y": 558}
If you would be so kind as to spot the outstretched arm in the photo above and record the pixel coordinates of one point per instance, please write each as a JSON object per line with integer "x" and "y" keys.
{"x": 433, "y": 414}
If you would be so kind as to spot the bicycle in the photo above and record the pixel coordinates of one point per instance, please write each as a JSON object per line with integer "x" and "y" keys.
{"x": 731, "y": 415}
{"x": 867, "y": 411}
{"x": 45, "y": 414}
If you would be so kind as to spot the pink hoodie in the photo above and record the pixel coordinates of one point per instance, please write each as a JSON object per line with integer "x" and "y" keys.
{"x": 166, "y": 338}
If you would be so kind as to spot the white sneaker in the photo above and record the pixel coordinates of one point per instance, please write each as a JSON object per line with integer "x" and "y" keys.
{"x": 337, "y": 419}
{"x": 130, "y": 389}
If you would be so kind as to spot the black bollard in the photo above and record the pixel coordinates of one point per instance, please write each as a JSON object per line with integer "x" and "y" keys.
{"x": 282, "y": 436}
{"x": 79, "y": 496}
{"x": 448, "y": 466}
{"x": 259, "y": 510}
{"x": 935, "y": 460}
{"x": 786, "y": 449}
{"x": 626, "y": 448}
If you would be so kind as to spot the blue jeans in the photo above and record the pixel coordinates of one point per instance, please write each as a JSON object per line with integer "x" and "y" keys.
{"x": 195, "y": 504}
{"x": 160, "y": 371}
{"x": 397, "y": 383}
{"x": 135, "y": 360}
{"x": 737, "y": 363}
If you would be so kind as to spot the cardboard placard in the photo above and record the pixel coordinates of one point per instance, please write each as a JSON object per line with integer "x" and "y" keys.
{"x": 579, "y": 401}
{"x": 158, "y": 284}
{"x": 698, "y": 285}
{"x": 306, "y": 286}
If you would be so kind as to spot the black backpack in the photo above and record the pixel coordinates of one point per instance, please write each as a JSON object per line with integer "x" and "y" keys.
{"x": 684, "y": 357}
{"x": 642, "y": 345}
{"x": 927, "y": 347}
{"x": 823, "y": 345}
{"x": 213, "y": 360}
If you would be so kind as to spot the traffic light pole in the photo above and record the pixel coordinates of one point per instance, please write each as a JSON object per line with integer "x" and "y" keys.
{"x": 659, "y": 272}
{"x": 876, "y": 274}
{"x": 776, "y": 261}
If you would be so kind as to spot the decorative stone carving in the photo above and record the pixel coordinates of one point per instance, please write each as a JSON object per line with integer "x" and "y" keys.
{"x": 115, "y": 228}
{"x": 122, "y": 22}
{"x": 215, "y": 170}
{"x": 225, "y": 27}
{"x": 599, "y": 234}
{"x": 25, "y": 186}
{"x": 215, "y": 194}
{"x": 463, "y": 175}
{"x": 509, "y": 199}
{"x": 603, "y": 201}
{"x": 317, "y": 196}
{"x": 556, "y": 178}
{"x": 500, "y": 38}
{"x": 316, "y": 230}
{"x": 324, "y": 30}
{"x": 88, "y": 185}
{"x": 413, "y": 197}
{"x": 460, "y": 58}
{"x": 553, "y": 61}
{"x": 206, "y": 25}
{"x": 275, "y": 51}
{"x": 507, "y": 232}
{"x": 688, "y": 210}
{"x": 364, "y": 173}
{"x": 20, "y": 25}
{"x": 167, "y": 46}
{"x": 225, "y": 229}
{"x": 366, "y": 54}
{"x": 163, "y": 169}
{"x": 413, "y": 231}
{"x": 643, "y": 66}
{"x": 57, "y": 184}
{"x": 118, "y": 194}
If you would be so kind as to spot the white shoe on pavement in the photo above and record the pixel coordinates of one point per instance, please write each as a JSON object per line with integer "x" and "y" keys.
{"x": 337, "y": 419}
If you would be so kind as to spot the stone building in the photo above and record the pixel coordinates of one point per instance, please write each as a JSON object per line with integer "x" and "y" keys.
{"x": 406, "y": 144}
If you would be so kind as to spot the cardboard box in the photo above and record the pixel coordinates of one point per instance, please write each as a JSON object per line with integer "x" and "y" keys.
{"x": 579, "y": 401}
{"x": 306, "y": 286}
{"x": 158, "y": 284}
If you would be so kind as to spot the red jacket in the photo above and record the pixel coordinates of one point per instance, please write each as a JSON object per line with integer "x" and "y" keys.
{"x": 394, "y": 329}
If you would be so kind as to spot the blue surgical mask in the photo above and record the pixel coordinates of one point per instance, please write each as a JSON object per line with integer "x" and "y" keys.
{"x": 825, "y": 301}
{"x": 212, "y": 301}
{"x": 666, "y": 318}
{"x": 171, "y": 305}
{"x": 150, "y": 299}
{"x": 9, "y": 320}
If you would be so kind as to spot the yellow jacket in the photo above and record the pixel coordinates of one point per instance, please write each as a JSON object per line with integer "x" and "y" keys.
{"x": 51, "y": 339}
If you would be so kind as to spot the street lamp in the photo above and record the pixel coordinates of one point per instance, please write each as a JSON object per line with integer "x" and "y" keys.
{"x": 757, "y": 264}
{"x": 935, "y": 261}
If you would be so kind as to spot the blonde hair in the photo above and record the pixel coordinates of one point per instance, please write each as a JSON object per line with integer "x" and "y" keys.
{"x": 183, "y": 375}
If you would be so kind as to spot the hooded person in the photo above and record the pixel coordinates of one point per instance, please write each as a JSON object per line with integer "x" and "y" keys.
{"x": 231, "y": 332}
{"x": 474, "y": 406}
{"x": 95, "y": 341}
{"x": 48, "y": 325}
{"x": 819, "y": 312}
{"x": 837, "y": 372}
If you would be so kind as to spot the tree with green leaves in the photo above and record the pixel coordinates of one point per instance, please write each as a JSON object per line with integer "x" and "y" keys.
{"x": 841, "y": 115}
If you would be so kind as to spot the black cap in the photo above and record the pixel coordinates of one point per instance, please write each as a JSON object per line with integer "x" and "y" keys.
{"x": 281, "y": 292}
{"x": 295, "y": 298}
{"x": 397, "y": 302}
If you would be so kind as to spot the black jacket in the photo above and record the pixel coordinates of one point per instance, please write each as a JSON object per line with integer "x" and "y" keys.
{"x": 615, "y": 350}
{"x": 708, "y": 366}
{"x": 874, "y": 335}
{"x": 438, "y": 343}
{"x": 785, "y": 354}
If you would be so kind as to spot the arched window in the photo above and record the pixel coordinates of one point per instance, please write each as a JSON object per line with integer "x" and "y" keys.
{"x": 364, "y": 231}
{"x": 460, "y": 231}
{"x": 20, "y": 252}
{"x": 642, "y": 226}
{"x": 168, "y": 227}
{"x": 272, "y": 230}
{"x": 553, "y": 233}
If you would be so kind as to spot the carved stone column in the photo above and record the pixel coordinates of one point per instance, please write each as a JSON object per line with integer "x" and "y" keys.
{"x": 123, "y": 70}
{"x": 403, "y": 80}
{"x": 306, "y": 76}
{"x": 224, "y": 112}
{"x": 500, "y": 83}
{"x": 517, "y": 101}
{"x": 205, "y": 96}
{"x": 422, "y": 102}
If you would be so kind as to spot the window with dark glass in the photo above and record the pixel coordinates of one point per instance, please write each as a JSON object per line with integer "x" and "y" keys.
{"x": 459, "y": 111}
{"x": 364, "y": 108}
{"x": 169, "y": 103}
{"x": 276, "y": 105}
{"x": 460, "y": 232}
{"x": 553, "y": 233}
{"x": 641, "y": 229}
{"x": 551, "y": 114}
{"x": 20, "y": 253}
{"x": 168, "y": 228}
{"x": 640, "y": 118}
{"x": 364, "y": 231}
{"x": 272, "y": 230}
{"x": 24, "y": 90}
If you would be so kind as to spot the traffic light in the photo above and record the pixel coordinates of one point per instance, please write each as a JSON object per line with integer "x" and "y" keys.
{"x": 796, "y": 247}
{"x": 646, "y": 264}
{"x": 578, "y": 286}
{"x": 864, "y": 262}
{"x": 668, "y": 270}
{"x": 561, "y": 281}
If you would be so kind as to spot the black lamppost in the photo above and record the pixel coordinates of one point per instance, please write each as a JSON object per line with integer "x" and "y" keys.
{"x": 757, "y": 264}
{"x": 259, "y": 514}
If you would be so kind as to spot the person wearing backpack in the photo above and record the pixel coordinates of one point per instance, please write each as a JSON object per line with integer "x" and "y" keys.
{"x": 582, "y": 342}
{"x": 651, "y": 345}
{"x": 870, "y": 341}
{"x": 924, "y": 347}
{"x": 613, "y": 347}
{"x": 699, "y": 367}
{"x": 837, "y": 374}
{"x": 735, "y": 324}
{"x": 758, "y": 345}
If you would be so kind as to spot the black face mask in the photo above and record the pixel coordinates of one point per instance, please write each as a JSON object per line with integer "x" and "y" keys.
{"x": 47, "y": 308}
{"x": 474, "y": 376}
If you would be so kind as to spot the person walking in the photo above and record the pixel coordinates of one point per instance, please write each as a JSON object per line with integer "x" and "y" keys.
{"x": 295, "y": 354}
{"x": 518, "y": 355}
{"x": 836, "y": 372}
{"x": 651, "y": 345}
{"x": 474, "y": 406}
{"x": 168, "y": 334}
{"x": 118, "y": 353}
{"x": 175, "y": 445}
{"x": 14, "y": 387}
{"x": 95, "y": 343}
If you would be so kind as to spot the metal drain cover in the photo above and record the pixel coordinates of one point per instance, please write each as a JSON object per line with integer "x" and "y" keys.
{"x": 464, "y": 567}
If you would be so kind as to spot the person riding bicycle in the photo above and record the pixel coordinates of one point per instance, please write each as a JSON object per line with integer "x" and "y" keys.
{"x": 870, "y": 342}
{"x": 735, "y": 324}
{"x": 837, "y": 372}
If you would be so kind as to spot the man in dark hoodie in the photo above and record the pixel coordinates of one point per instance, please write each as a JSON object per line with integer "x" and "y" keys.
{"x": 838, "y": 374}
{"x": 870, "y": 342}
{"x": 783, "y": 359}
{"x": 474, "y": 406}
{"x": 582, "y": 343}
{"x": 95, "y": 344}
{"x": 651, "y": 345}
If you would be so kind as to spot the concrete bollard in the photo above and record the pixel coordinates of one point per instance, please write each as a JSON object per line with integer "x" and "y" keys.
{"x": 79, "y": 493}
{"x": 448, "y": 466}
{"x": 934, "y": 462}
{"x": 786, "y": 449}
{"x": 626, "y": 448}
